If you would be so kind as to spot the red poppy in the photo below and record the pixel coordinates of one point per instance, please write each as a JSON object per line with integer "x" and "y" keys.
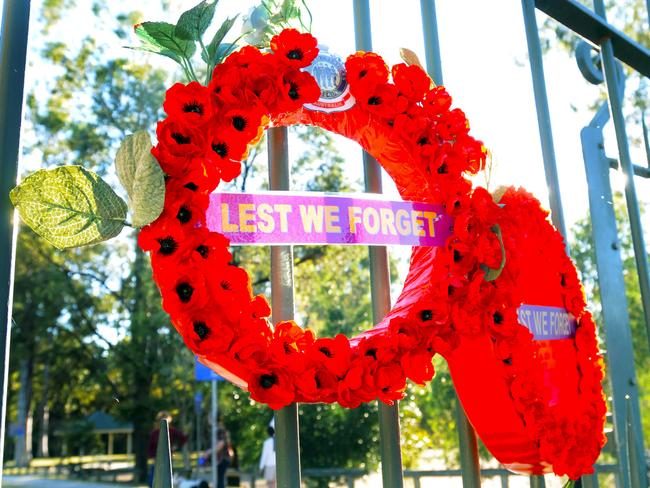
{"x": 224, "y": 152}
{"x": 390, "y": 382}
{"x": 200, "y": 177}
{"x": 242, "y": 126}
{"x": 364, "y": 71}
{"x": 403, "y": 333}
{"x": 411, "y": 81}
{"x": 250, "y": 349}
{"x": 210, "y": 250}
{"x": 178, "y": 144}
{"x": 204, "y": 333}
{"x": 418, "y": 366}
{"x": 188, "y": 102}
{"x": 383, "y": 100}
{"x": 184, "y": 205}
{"x": 298, "y": 88}
{"x": 357, "y": 386}
{"x": 183, "y": 289}
{"x": 231, "y": 289}
{"x": 271, "y": 386}
{"x": 437, "y": 101}
{"x": 296, "y": 48}
{"x": 334, "y": 354}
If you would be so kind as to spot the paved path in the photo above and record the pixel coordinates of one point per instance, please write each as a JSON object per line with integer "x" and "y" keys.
{"x": 31, "y": 481}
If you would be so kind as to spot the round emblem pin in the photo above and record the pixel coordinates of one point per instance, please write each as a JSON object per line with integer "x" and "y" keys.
{"x": 329, "y": 71}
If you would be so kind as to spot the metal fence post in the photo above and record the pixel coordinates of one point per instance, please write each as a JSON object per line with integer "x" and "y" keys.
{"x": 616, "y": 319}
{"x": 13, "y": 52}
{"x": 391, "y": 455}
{"x": 468, "y": 445}
{"x": 162, "y": 474}
{"x": 287, "y": 441}
{"x": 543, "y": 116}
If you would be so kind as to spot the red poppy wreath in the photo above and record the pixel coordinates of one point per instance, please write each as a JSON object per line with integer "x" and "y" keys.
{"x": 520, "y": 343}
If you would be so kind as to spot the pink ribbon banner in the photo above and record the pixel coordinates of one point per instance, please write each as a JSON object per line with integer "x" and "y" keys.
{"x": 317, "y": 218}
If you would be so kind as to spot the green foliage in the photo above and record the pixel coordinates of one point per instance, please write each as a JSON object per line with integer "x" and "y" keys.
{"x": 141, "y": 177}
{"x": 69, "y": 206}
{"x": 493, "y": 274}
{"x": 193, "y": 23}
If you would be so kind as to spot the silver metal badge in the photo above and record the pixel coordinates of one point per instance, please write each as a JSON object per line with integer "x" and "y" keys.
{"x": 329, "y": 71}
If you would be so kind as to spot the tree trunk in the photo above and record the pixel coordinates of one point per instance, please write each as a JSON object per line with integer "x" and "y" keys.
{"x": 23, "y": 448}
{"x": 43, "y": 416}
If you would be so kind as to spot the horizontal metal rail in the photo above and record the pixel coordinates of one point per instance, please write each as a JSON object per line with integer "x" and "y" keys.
{"x": 592, "y": 27}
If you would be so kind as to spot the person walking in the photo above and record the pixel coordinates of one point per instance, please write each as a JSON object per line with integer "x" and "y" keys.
{"x": 267, "y": 460}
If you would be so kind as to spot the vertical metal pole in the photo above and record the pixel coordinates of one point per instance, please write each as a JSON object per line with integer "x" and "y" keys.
{"x": 431, "y": 41}
{"x": 537, "y": 482}
{"x": 13, "y": 51}
{"x": 287, "y": 445}
{"x": 391, "y": 455}
{"x": 638, "y": 240}
{"x": 470, "y": 464}
{"x": 162, "y": 471}
{"x": 543, "y": 116}
{"x": 616, "y": 319}
{"x": 469, "y": 461}
{"x": 213, "y": 433}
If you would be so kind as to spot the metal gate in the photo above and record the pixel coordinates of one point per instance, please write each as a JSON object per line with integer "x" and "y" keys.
{"x": 631, "y": 469}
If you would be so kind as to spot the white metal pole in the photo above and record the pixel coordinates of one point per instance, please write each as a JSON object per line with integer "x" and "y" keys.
{"x": 213, "y": 450}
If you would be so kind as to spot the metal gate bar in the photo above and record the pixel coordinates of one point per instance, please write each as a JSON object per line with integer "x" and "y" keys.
{"x": 468, "y": 444}
{"x": 287, "y": 441}
{"x": 391, "y": 455}
{"x": 543, "y": 117}
{"x": 13, "y": 52}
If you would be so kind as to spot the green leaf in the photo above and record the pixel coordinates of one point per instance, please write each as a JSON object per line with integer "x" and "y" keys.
{"x": 69, "y": 206}
{"x": 493, "y": 274}
{"x": 142, "y": 178}
{"x": 213, "y": 47}
{"x": 161, "y": 35}
{"x": 192, "y": 24}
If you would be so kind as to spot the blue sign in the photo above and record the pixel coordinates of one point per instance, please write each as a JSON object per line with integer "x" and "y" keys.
{"x": 203, "y": 373}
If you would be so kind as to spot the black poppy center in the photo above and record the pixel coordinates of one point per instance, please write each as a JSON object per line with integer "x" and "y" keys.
{"x": 203, "y": 251}
{"x": 293, "y": 92}
{"x": 184, "y": 292}
{"x": 457, "y": 256}
{"x": 191, "y": 186}
{"x": 239, "y": 123}
{"x": 193, "y": 107}
{"x": 374, "y": 101}
{"x": 426, "y": 315}
{"x": 422, "y": 141}
{"x": 225, "y": 285}
{"x": 220, "y": 148}
{"x": 442, "y": 169}
{"x": 184, "y": 215}
{"x": 167, "y": 245}
{"x": 363, "y": 73}
{"x": 180, "y": 138}
{"x": 268, "y": 380}
{"x": 498, "y": 318}
{"x": 295, "y": 54}
{"x": 201, "y": 329}
{"x": 372, "y": 352}
{"x": 326, "y": 352}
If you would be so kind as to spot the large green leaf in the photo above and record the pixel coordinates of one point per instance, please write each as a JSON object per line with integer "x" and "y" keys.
{"x": 142, "y": 178}
{"x": 193, "y": 23}
{"x": 69, "y": 206}
{"x": 161, "y": 35}
{"x": 213, "y": 47}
